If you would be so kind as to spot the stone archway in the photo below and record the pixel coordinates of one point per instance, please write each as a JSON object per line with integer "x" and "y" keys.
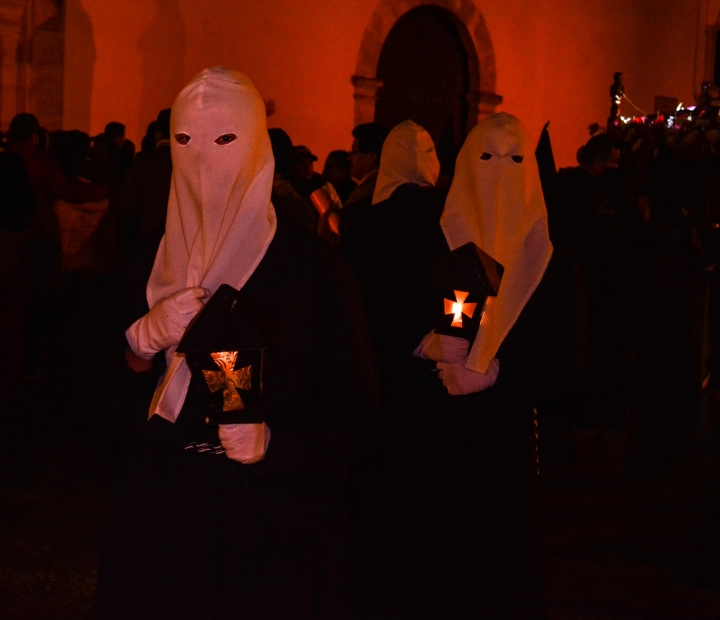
{"x": 482, "y": 98}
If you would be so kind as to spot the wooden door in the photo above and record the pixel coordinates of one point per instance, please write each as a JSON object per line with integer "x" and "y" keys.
{"x": 424, "y": 69}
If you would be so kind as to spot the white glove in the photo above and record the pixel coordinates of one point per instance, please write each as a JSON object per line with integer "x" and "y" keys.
{"x": 246, "y": 443}
{"x": 460, "y": 380}
{"x": 439, "y": 348}
{"x": 164, "y": 326}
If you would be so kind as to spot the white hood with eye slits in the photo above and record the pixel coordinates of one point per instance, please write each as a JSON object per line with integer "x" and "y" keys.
{"x": 496, "y": 201}
{"x": 408, "y": 156}
{"x": 220, "y": 220}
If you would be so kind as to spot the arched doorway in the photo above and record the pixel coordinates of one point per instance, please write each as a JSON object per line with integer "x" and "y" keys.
{"x": 424, "y": 70}
{"x": 469, "y": 25}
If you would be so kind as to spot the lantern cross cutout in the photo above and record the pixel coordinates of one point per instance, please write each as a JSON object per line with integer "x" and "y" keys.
{"x": 228, "y": 379}
{"x": 459, "y": 307}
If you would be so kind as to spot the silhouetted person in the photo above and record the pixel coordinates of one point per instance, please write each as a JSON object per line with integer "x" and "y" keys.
{"x": 364, "y": 158}
{"x": 48, "y": 182}
{"x": 337, "y": 172}
{"x": 117, "y": 151}
{"x": 147, "y": 144}
{"x": 143, "y": 199}
{"x": 617, "y": 92}
{"x": 301, "y": 172}
{"x": 285, "y": 197}
{"x": 576, "y": 199}
{"x": 704, "y": 99}
{"x": 17, "y": 205}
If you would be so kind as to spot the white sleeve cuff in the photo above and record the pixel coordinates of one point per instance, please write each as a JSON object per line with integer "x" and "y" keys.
{"x": 137, "y": 338}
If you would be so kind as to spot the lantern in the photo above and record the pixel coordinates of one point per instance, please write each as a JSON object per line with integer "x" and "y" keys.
{"x": 225, "y": 349}
{"x": 467, "y": 276}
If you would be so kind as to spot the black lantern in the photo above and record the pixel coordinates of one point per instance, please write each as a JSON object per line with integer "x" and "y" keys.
{"x": 225, "y": 349}
{"x": 467, "y": 276}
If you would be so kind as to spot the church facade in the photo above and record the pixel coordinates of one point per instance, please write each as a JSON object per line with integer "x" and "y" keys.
{"x": 329, "y": 65}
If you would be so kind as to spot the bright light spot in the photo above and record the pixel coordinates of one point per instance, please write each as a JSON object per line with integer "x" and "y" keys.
{"x": 458, "y": 308}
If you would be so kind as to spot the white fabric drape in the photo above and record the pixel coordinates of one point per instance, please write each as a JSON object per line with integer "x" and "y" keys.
{"x": 220, "y": 220}
{"x": 496, "y": 201}
{"x": 408, "y": 156}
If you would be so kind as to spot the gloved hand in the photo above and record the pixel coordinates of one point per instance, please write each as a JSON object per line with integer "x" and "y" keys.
{"x": 164, "y": 326}
{"x": 439, "y": 348}
{"x": 246, "y": 443}
{"x": 460, "y": 380}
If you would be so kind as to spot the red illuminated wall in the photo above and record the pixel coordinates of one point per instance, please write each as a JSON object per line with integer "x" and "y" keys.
{"x": 554, "y": 59}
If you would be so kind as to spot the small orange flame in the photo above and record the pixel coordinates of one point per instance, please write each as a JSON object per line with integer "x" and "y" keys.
{"x": 459, "y": 307}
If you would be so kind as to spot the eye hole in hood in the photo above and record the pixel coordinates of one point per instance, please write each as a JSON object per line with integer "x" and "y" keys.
{"x": 226, "y": 138}
{"x": 182, "y": 138}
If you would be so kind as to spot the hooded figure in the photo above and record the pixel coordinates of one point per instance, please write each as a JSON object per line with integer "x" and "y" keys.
{"x": 408, "y": 156}
{"x": 215, "y": 521}
{"x": 496, "y": 201}
{"x": 454, "y": 533}
{"x": 409, "y": 169}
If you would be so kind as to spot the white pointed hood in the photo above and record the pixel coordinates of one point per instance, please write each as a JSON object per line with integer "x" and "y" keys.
{"x": 220, "y": 220}
{"x": 408, "y": 156}
{"x": 496, "y": 201}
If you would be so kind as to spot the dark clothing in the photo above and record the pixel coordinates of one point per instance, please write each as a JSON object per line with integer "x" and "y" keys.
{"x": 454, "y": 530}
{"x": 611, "y": 256}
{"x": 144, "y": 195}
{"x": 43, "y": 247}
{"x": 17, "y": 205}
{"x": 668, "y": 377}
{"x": 18, "y": 201}
{"x": 287, "y": 201}
{"x": 49, "y": 182}
{"x": 354, "y": 210}
{"x": 345, "y": 188}
{"x": 196, "y": 535}
{"x": 364, "y": 190}
{"x": 305, "y": 187}
{"x": 575, "y": 203}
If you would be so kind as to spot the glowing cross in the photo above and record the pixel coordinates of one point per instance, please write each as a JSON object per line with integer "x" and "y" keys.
{"x": 228, "y": 379}
{"x": 459, "y": 307}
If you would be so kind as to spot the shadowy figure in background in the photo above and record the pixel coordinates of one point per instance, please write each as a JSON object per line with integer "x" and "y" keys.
{"x": 364, "y": 158}
{"x": 147, "y": 144}
{"x": 301, "y": 172}
{"x": 337, "y": 172}
{"x": 285, "y": 197}
{"x": 143, "y": 198}
{"x": 87, "y": 248}
{"x": 617, "y": 92}
{"x": 668, "y": 374}
{"x": 17, "y": 205}
{"x": 320, "y": 192}
{"x": 575, "y": 200}
{"x": 48, "y": 182}
{"x": 116, "y": 152}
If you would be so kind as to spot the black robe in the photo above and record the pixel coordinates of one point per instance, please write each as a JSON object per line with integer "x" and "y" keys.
{"x": 452, "y": 529}
{"x": 196, "y": 535}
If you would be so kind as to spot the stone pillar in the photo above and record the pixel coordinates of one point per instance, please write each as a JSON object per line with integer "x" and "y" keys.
{"x": 31, "y": 60}
{"x": 365, "y": 95}
{"x": 12, "y": 17}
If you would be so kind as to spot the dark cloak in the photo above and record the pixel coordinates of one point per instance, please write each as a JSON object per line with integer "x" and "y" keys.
{"x": 196, "y": 535}
{"x": 452, "y": 529}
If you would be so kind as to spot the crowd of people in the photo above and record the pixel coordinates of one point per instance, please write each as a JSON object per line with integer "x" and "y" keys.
{"x": 394, "y": 473}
